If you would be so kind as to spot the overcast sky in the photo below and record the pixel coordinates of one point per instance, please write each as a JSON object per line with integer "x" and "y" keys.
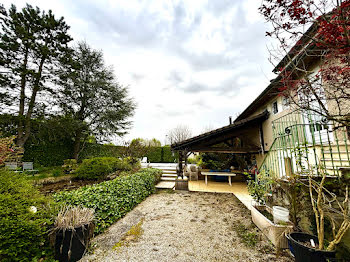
{"x": 185, "y": 62}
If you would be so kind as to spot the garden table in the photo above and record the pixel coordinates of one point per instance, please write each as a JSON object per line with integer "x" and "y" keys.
{"x": 229, "y": 174}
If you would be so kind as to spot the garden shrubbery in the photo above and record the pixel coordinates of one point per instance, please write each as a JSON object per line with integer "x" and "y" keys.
{"x": 113, "y": 199}
{"x": 25, "y": 215}
{"x": 100, "y": 167}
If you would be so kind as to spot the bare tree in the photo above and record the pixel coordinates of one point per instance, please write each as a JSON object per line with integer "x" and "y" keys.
{"x": 178, "y": 134}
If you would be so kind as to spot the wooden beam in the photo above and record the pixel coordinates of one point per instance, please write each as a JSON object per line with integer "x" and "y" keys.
{"x": 226, "y": 150}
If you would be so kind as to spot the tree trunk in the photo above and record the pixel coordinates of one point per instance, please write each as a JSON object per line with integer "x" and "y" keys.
{"x": 27, "y": 124}
{"x": 77, "y": 142}
{"x": 20, "y": 129}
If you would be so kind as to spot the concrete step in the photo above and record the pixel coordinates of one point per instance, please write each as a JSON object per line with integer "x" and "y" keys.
{"x": 335, "y": 159}
{"x": 165, "y": 185}
{"x": 168, "y": 178}
{"x": 169, "y": 172}
{"x": 169, "y": 175}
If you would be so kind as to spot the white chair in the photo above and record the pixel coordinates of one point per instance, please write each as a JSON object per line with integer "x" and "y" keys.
{"x": 28, "y": 167}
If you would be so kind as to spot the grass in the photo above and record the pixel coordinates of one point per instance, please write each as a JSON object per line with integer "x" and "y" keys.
{"x": 134, "y": 233}
{"x": 248, "y": 237}
{"x": 45, "y": 172}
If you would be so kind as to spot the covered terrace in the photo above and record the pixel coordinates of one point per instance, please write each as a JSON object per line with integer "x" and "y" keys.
{"x": 242, "y": 137}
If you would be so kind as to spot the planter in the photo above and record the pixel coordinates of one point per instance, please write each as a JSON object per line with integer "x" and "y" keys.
{"x": 75, "y": 241}
{"x": 181, "y": 184}
{"x": 274, "y": 232}
{"x": 303, "y": 253}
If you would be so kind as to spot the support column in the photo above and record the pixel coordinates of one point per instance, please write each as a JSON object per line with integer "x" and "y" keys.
{"x": 179, "y": 169}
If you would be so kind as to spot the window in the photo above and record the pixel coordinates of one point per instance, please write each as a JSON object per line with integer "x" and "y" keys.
{"x": 285, "y": 102}
{"x": 275, "y": 107}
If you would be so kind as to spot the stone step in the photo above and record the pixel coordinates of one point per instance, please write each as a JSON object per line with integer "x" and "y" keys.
{"x": 168, "y": 178}
{"x": 169, "y": 175}
{"x": 169, "y": 172}
{"x": 165, "y": 185}
{"x": 335, "y": 159}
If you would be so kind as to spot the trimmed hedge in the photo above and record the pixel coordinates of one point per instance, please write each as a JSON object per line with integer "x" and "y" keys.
{"x": 161, "y": 155}
{"x": 48, "y": 155}
{"x": 113, "y": 199}
{"x": 54, "y": 154}
{"x": 22, "y": 232}
{"x": 97, "y": 150}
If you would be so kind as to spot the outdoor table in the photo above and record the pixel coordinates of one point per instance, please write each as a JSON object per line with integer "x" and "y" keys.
{"x": 229, "y": 174}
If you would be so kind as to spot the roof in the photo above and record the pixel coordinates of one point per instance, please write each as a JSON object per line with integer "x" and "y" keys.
{"x": 268, "y": 92}
{"x": 295, "y": 51}
{"x": 220, "y": 131}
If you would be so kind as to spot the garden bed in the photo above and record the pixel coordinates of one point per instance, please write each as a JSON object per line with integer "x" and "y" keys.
{"x": 274, "y": 232}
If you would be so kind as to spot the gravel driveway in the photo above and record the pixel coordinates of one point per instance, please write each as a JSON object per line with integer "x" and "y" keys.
{"x": 184, "y": 226}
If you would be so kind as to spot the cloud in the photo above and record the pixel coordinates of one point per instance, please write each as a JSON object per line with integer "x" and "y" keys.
{"x": 191, "y": 62}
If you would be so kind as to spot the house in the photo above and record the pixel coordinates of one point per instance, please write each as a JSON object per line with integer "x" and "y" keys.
{"x": 283, "y": 137}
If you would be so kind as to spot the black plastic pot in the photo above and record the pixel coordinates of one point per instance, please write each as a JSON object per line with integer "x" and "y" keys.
{"x": 306, "y": 254}
{"x": 75, "y": 241}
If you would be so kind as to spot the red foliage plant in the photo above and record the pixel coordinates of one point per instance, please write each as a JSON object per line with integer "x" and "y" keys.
{"x": 313, "y": 31}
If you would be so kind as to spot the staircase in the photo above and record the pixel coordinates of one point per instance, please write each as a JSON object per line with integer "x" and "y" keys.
{"x": 167, "y": 181}
{"x": 336, "y": 157}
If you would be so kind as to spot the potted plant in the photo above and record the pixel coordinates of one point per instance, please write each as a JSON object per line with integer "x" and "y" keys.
{"x": 72, "y": 231}
{"x": 309, "y": 248}
{"x": 262, "y": 215}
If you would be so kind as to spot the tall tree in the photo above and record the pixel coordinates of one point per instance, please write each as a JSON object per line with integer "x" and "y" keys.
{"x": 32, "y": 43}
{"x": 93, "y": 98}
{"x": 314, "y": 41}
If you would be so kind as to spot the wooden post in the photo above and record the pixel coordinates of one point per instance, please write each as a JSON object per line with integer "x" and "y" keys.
{"x": 179, "y": 169}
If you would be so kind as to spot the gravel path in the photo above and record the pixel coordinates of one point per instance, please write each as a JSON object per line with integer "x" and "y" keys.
{"x": 185, "y": 226}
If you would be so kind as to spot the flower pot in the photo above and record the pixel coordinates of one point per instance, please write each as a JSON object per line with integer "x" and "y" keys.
{"x": 303, "y": 253}
{"x": 274, "y": 232}
{"x": 70, "y": 245}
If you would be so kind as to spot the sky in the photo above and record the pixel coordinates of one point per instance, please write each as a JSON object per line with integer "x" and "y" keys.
{"x": 191, "y": 63}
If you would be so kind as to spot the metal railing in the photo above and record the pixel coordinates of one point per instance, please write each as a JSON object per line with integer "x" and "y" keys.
{"x": 303, "y": 141}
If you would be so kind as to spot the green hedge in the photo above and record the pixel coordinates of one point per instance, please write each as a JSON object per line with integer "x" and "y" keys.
{"x": 98, "y": 150}
{"x": 161, "y": 155}
{"x": 54, "y": 154}
{"x": 49, "y": 154}
{"x": 113, "y": 199}
{"x": 22, "y": 232}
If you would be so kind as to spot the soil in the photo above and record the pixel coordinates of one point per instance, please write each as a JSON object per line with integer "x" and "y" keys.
{"x": 308, "y": 244}
{"x": 266, "y": 214}
{"x": 66, "y": 185}
{"x": 185, "y": 226}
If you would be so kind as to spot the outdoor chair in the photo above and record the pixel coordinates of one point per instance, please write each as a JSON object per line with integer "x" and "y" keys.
{"x": 191, "y": 172}
{"x": 28, "y": 167}
{"x": 12, "y": 166}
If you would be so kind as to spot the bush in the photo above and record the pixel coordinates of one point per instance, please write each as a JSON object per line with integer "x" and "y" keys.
{"x": 69, "y": 166}
{"x": 113, "y": 199}
{"x": 97, "y": 168}
{"x": 101, "y": 167}
{"x": 22, "y": 232}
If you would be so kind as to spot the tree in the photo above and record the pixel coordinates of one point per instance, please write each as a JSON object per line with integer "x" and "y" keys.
{"x": 32, "y": 44}
{"x": 178, "y": 134}
{"x": 312, "y": 34}
{"x": 91, "y": 96}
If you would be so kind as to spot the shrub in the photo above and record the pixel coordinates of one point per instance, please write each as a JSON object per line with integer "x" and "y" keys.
{"x": 24, "y": 218}
{"x": 69, "y": 166}
{"x": 97, "y": 168}
{"x": 100, "y": 167}
{"x": 113, "y": 199}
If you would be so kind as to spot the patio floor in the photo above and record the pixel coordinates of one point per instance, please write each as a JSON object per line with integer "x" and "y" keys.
{"x": 239, "y": 189}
